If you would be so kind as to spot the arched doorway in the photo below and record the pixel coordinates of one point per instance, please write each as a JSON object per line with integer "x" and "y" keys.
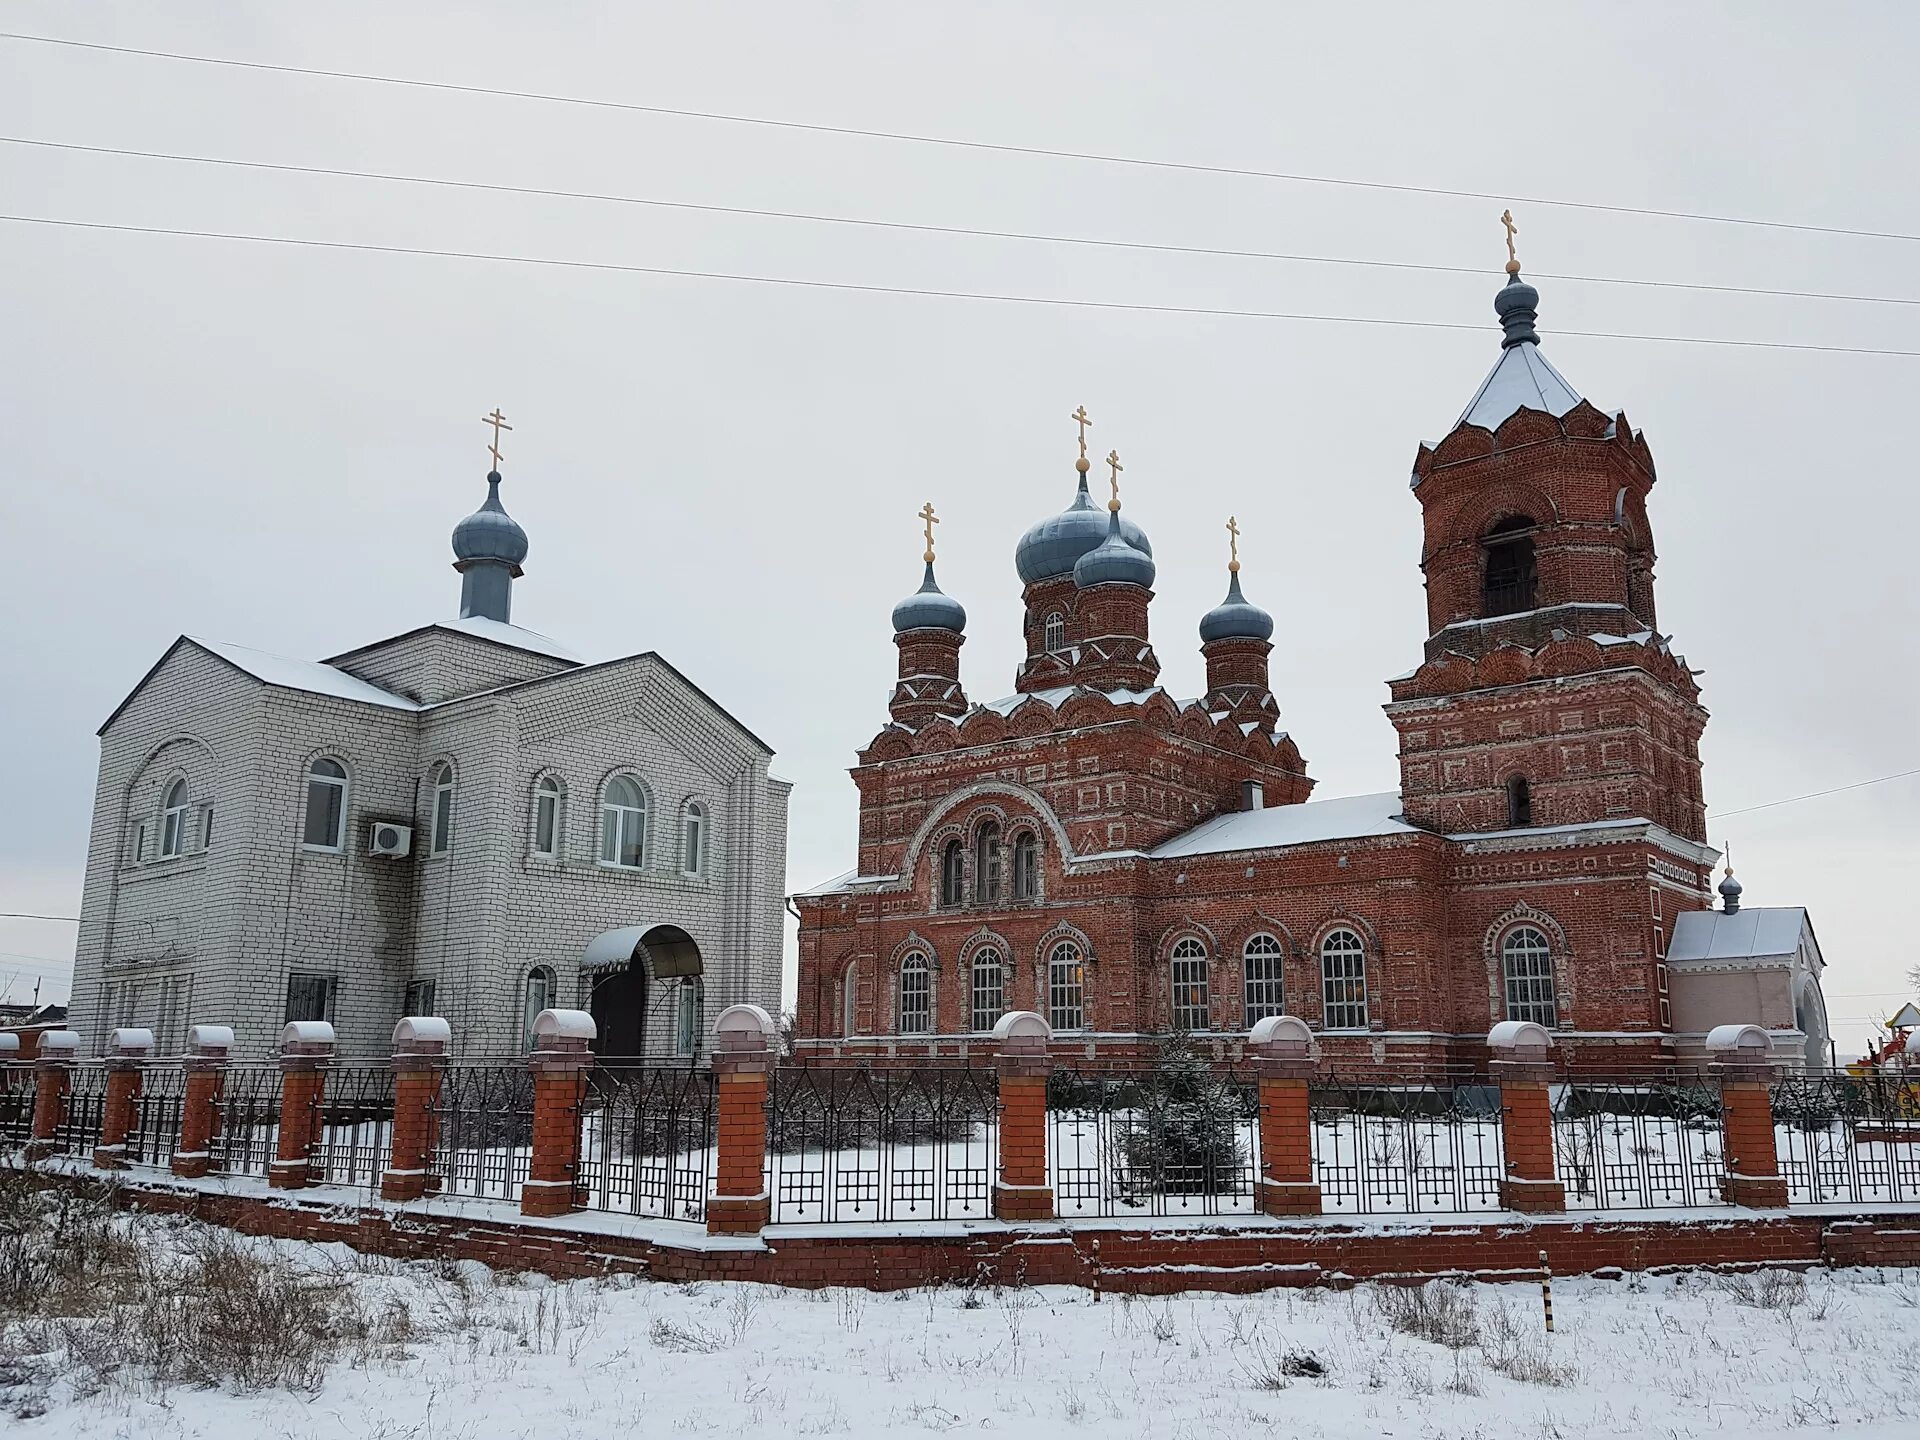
{"x": 642, "y": 978}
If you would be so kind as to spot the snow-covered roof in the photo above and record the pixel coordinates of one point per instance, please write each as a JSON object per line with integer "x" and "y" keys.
{"x": 500, "y": 633}
{"x": 1750, "y": 933}
{"x": 1347, "y": 818}
{"x": 1058, "y": 695}
{"x": 1521, "y": 377}
{"x": 308, "y": 675}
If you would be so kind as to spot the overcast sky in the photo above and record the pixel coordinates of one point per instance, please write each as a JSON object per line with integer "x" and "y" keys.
{"x": 269, "y": 445}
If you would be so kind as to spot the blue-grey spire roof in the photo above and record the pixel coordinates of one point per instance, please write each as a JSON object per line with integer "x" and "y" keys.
{"x": 928, "y": 608}
{"x": 1114, "y": 560}
{"x": 1521, "y": 377}
{"x": 1054, "y": 546}
{"x": 490, "y": 533}
{"x": 1235, "y": 618}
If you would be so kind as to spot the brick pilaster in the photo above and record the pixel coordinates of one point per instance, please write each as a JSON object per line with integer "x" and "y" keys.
{"x": 420, "y": 1045}
{"x": 306, "y": 1050}
{"x": 1020, "y": 1190}
{"x": 1523, "y": 1067}
{"x": 1742, "y": 1061}
{"x": 742, "y": 1057}
{"x": 53, "y": 1078}
{"x": 562, "y": 1055}
{"x": 206, "y": 1072}
{"x": 127, "y": 1053}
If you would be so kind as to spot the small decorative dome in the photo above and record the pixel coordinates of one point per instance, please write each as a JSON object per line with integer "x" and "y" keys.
{"x": 1730, "y": 892}
{"x": 1518, "y": 306}
{"x": 1055, "y": 545}
{"x": 929, "y": 609}
{"x": 490, "y": 533}
{"x": 1114, "y": 560}
{"x": 1235, "y": 618}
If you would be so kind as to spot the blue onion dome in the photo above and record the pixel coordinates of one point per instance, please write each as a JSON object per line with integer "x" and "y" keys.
{"x": 1731, "y": 890}
{"x": 929, "y": 609}
{"x": 1053, "y": 547}
{"x": 1235, "y": 618}
{"x": 1518, "y": 306}
{"x": 490, "y": 533}
{"x": 1114, "y": 560}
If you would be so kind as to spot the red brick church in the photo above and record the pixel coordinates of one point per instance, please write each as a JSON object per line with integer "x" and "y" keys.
{"x": 1129, "y": 864}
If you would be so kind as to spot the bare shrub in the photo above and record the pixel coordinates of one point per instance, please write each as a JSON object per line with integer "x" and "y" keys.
{"x": 1276, "y": 1368}
{"x": 1765, "y": 1289}
{"x": 689, "y": 1338}
{"x": 62, "y": 1247}
{"x": 1520, "y": 1353}
{"x": 1442, "y": 1313}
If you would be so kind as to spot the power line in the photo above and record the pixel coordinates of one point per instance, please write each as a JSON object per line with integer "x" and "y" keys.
{"x": 956, "y": 143}
{"x": 928, "y": 293}
{"x": 23, "y": 915}
{"x": 976, "y": 232}
{"x": 1813, "y": 795}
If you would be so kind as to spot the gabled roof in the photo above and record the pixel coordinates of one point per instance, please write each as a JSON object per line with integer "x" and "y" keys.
{"x": 1347, "y": 818}
{"x": 479, "y": 628}
{"x": 1750, "y": 933}
{"x": 311, "y": 676}
{"x": 1520, "y": 378}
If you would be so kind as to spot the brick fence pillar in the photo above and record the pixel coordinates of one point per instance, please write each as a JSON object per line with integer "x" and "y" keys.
{"x": 1284, "y": 1060}
{"x": 1523, "y": 1066}
{"x": 1020, "y": 1190}
{"x": 53, "y": 1078}
{"x": 420, "y": 1045}
{"x": 1741, "y": 1058}
{"x": 306, "y": 1050}
{"x": 127, "y": 1053}
{"x": 562, "y": 1055}
{"x": 206, "y": 1073}
{"x": 743, "y": 1037}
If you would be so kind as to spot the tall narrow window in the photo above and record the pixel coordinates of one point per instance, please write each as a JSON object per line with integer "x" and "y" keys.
{"x": 850, "y": 1002}
{"x": 953, "y": 868}
{"x": 916, "y": 995}
{"x": 326, "y": 805}
{"x": 687, "y": 1020}
{"x": 537, "y": 996}
{"x": 173, "y": 820}
{"x": 1526, "y": 961}
{"x": 546, "y": 818}
{"x": 693, "y": 838}
{"x": 986, "y": 865}
{"x": 1264, "y": 960}
{"x": 1343, "y": 981}
{"x": 623, "y": 824}
{"x": 440, "y": 835}
{"x": 206, "y": 826}
{"x": 1066, "y": 987}
{"x": 1519, "y": 802}
{"x": 1054, "y": 637}
{"x": 1192, "y": 997}
{"x": 1510, "y": 586}
{"x": 137, "y": 846}
{"x": 989, "y": 989}
{"x": 1026, "y": 866}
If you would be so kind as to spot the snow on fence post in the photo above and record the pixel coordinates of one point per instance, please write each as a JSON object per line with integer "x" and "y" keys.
{"x": 1284, "y": 1058}
{"x": 1741, "y": 1058}
{"x": 1523, "y": 1066}
{"x": 562, "y": 1055}
{"x": 127, "y": 1053}
{"x": 743, "y": 1038}
{"x": 306, "y": 1050}
{"x": 53, "y": 1078}
{"x": 1020, "y": 1190}
{"x": 420, "y": 1045}
{"x": 206, "y": 1071}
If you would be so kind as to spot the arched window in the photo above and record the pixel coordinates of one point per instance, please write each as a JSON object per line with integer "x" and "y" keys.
{"x": 440, "y": 839}
{"x": 623, "y": 824}
{"x": 989, "y": 988}
{"x": 1026, "y": 866}
{"x": 1343, "y": 981}
{"x": 1264, "y": 960}
{"x": 693, "y": 838}
{"x": 1192, "y": 999}
{"x": 953, "y": 873}
{"x": 689, "y": 1001}
{"x": 326, "y": 805}
{"x": 1066, "y": 987}
{"x": 1510, "y": 586}
{"x": 538, "y": 996}
{"x": 1526, "y": 962}
{"x": 1054, "y": 637}
{"x": 986, "y": 865}
{"x": 850, "y": 1001}
{"x": 916, "y": 995}
{"x": 173, "y": 820}
{"x": 546, "y": 818}
{"x": 1519, "y": 802}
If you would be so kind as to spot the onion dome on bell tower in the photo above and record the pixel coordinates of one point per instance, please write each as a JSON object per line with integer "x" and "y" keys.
{"x": 929, "y": 629}
{"x": 489, "y": 546}
{"x": 1234, "y": 640}
{"x": 1113, "y": 586}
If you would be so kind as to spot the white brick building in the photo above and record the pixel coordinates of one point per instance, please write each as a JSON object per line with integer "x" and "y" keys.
{"x": 598, "y": 835}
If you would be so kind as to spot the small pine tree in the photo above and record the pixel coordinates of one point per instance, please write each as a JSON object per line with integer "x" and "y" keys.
{"x": 1185, "y": 1139}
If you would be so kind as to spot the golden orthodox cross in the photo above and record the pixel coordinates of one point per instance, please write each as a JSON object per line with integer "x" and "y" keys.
{"x": 1084, "y": 419}
{"x": 1233, "y": 544}
{"x": 1113, "y": 464}
{"x": 499, "y": 423}
{"x": 929, "y": 520}
{"x": 1513, "y": 259}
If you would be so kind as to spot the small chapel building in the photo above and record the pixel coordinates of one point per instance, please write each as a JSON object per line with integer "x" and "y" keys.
{"x": 1132, "y": 865}
{"x": 465, "y": 819}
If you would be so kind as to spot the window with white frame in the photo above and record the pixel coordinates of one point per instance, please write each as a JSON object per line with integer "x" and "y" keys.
{"x": 173, "y": 820}
{"x": 440, "y": 827}
{"x": 986, "y": 865}
{"x": 1026, "y": 866}
{"x": 693, "y": 838}
{"x": 537, "y": 996}
{"x": 989, "y": 988}
{"x": 1343, "y": 981}
{"x": 1066, "y": 987}
{"x": 547, "y": 796}
{"x": 1263, "y": 963}
{"x": 916, "y": 995}
{"x": 1192, "y": 998}
{"x": 137, "y": 846}
{"x": 1054, "y": 637}
{"x": 1526, "y": 963}
{"x": 623, "y": 824}
{"x": 326, "y": 805}
{"x": 686, "y": 1028}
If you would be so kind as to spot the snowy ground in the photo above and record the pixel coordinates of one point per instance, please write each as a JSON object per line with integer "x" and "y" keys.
{"x": 462, "y": 1353}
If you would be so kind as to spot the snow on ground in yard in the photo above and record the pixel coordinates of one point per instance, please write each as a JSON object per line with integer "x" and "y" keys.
{"x": 489, "y": 1356}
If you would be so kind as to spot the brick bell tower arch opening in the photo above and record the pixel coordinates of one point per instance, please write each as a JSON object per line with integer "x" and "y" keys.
{"x": 640, "y": 981}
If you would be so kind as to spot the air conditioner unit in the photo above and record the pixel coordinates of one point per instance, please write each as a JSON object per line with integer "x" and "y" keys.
{"x": 390, "y": 840}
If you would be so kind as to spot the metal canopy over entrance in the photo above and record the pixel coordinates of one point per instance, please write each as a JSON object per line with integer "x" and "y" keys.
{"x": 623, "y": 966}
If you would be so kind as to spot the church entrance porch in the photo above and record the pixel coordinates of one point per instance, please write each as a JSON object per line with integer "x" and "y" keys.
{"x": 645, "y": 991}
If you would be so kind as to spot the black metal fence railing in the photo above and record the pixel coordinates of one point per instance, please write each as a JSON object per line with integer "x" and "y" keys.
{"x": 156, "y": 1116}
{"x": 16, "y": 1104}
{"x": 1157, "y": 1142}
{"x": 356, "y": 1127}
{"x": 1847, "y": 1137}
{"x": 1397, "y": 1149}
{"x": 246, "y": 1129}
{"x": 912, "y": 1144}
{"x": 79, "y": 1128}
{"x": 484, "y": 1135}
{"x": 647, "y": 1140}
{"x": 1638, "y": 1146}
